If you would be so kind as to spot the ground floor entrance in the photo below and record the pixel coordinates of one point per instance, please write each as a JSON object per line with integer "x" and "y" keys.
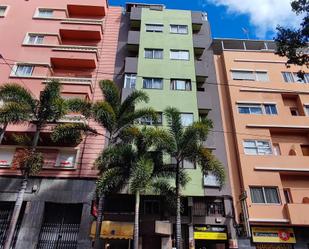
{"x": 204, "y": 244}
{"x": 118, "y": 244}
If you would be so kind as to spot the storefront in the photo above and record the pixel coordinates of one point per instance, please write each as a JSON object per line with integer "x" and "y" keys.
{"x": 210, "y": 237}
{"x": 117, "y": 235}
{"x": 273, "y": 237}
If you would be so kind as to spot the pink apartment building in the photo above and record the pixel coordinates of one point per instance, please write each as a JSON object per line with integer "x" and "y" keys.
{"x": 75, "y": 42}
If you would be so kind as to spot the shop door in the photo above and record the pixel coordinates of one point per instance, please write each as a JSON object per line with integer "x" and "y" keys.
{"x": 6, "y": 210}
{"x": 60, "y": 227}
{"x": 204, "y": 244}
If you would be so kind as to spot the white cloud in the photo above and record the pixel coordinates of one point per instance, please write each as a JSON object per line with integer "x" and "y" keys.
{"x": 264, "y": 15}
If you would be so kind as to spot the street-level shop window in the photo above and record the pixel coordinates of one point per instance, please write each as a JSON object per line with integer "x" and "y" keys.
{"x": 257, "y": 147}
{"x": 267, "y": 195}
{"x": 156, "y": 28}
{"x": 179, "y": 29}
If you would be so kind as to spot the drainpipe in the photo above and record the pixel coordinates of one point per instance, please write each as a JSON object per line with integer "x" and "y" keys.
{"x": 243, "y": 197}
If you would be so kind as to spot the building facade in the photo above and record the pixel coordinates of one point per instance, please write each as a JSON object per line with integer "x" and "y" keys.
{"x": 74, "y": 42}
{"x": 166, "y": 53}
{"x": 266, "y": 125}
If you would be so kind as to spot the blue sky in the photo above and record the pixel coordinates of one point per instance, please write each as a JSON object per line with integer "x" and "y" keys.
{"x": 229, "y": 17}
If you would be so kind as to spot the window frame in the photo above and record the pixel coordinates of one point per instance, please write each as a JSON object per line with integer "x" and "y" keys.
{"x": 262, "y": 106}
{"x": 15, "y": 69}
{"x": 173, "y": 85}
{"x": 178, "y": 26}
{"x": 258, "y": 149}
{"x": 186, "y": 113}
{"x": 153, "y": 51}
{"x": 150, "y": 121}
{"x": 293, "y": 78}
{"x": 306, "y": 109}
{"x": 6, "y": 9}
{"x": 264, "y": 195}
{"x": 214, "y": 183}
{"x": 129, "y": 77}
{"x": 66, "y": 151}
{"x": 179, "y": 51}
{"x": 152, "y": 79}
{"x": 30, "y": 35}
{"x": 147, "y": 25}
{"x": 39, "y": 10}
{"x": 12, "y": 150}
{"x": 254, "y": 75}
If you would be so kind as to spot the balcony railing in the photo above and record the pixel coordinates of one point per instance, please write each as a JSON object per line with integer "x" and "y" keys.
{"x": 73, "y": 118}
{"x": 76, "y": 48}
{"x": 82, "y": 21}
{"x": 70, "y": 80}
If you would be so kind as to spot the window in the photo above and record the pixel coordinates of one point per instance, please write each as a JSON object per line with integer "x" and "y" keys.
{"x": 24, "y": 70}
{"x": 257, "y": 147}
{"x": 157, "y": 28}
{"x": 35, "y": 39}
{"x": 130, "y": 81}
{"x": 184, "y": 85}
{"x": 154, "y": 53}
{"x": 307, "y": 109}
{"x": 186, "y": 119}
{"x": 293, "y": 77}
{"x": 287, "y": 195}
{"x": 210, "y": 180}
{"x": 3, "y": 10}
{"x": 276, "y": 149}
{"x": 267, "y": 195}
{"x": 153, "y": 83}
{"x": 6, "y": 157}
{"x": 179, "y": 55}
{"x": 270, "y": 109}
{"x": 66, "y": 159}
{"x": 45, "y": 13}
{"x": 250, "y": 109}
{"x": 305, "y": 149}
{"x": 215, "y": 207}
{"x": 294, "y": 111}
{"x": 260, "y": 76}
{"x": 150, "y": 121}
{"x": 179, "y": 29}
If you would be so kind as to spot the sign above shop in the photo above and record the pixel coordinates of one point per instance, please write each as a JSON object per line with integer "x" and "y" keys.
{"x": 274, "y": 246}
{"x": 273, "y": 235}
{"x": 210, "y": 233}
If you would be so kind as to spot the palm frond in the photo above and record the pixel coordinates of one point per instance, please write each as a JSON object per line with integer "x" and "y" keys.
{"x": 80, "y": 106}
{"x": 14, "y": 112}
{"x": 130, "y": 102}
{"x": 111, "y": 94}
{"x": 71, "y": 132}
{"x": 104, "y": 114}
{"x": 111, "y": 180}
{"x": 174, "y": 122}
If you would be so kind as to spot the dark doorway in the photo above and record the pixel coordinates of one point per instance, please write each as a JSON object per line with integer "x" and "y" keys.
{"x": 60, "y": 226}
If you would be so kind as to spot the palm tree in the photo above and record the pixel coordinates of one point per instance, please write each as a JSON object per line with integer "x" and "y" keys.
{"x": 115, "y": 116}
{"x": 49, "y": 108}
{"x": 186, "y": 144}
{"x": 17, "y": 106}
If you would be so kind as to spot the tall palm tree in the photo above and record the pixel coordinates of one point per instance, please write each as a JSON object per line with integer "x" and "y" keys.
{"x": 49, "y": 108}
{"x": 186, "y": 144}
{"x": 17, "y": 105}
{"x": 115, "y": 116}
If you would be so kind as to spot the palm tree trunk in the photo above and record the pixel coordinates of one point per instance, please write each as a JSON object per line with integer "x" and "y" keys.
{"x": 15, "y": 215}
{"x": 178, "y": 217}
{"x": 3, "y": 132}
{"x": 98, "y": 243}
{"x": 20, "y": 195}
{"x": 136, "y": 220}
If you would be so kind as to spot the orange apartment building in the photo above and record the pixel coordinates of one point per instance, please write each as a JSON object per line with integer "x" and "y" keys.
{"x": 74, "y": 41}
{"x": 265, "y": 110}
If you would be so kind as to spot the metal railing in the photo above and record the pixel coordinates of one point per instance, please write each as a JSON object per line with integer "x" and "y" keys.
{"x": 76, "y": 48}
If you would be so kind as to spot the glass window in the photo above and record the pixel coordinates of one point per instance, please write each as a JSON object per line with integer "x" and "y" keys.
{"x": 154, "y": 28}
{"x": 184, "y": 85}
{"x": 294, "y": 111}
{"x": 186, "y": 119}
{"x": 257, "y": 147}
{"x": 150, "y": 121}
{"x": 298, "y": 79}
{"x": 45, "y": 13}
{"x": 211, "y": 180}
{"x": 264, "y": 195}
{"x": 66, "y": 159}
{"x": 6, "y": 157}
{"x": 270, "y": 109}
{"x": 130, "y": 81}
{"x": 249, "y": 109}
{"x": 2, "y": 10}
{"x": 276, "y": 149}
{"x": 188, "y": 165}
{"x": 288, "y": 77}
{"x": 179, "y": 55}
{"x": 307, "y": 109}
{"x": 293, "y": 77}
{"x": 243, "y": 75}
{"x": 154, "y": 53}
{"x": 153, "y": 83}
{"x": 262, "y": 76}
{"x": 24, "y": 70}
{"x": 179, "y": 29}
{"x": 306, "y": 76}
{"x": 35, "y": 39}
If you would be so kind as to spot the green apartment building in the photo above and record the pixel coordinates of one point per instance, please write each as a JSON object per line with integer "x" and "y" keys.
{"x": 165, "y": 53}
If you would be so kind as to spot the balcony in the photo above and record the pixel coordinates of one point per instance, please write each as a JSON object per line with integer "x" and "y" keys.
{"x": 298, "y": 214}
{"x": 197, "y": 21}
{"x": 135, "y": 17}
{"x": 83, "y": 35}
{"x": 204, "y": 100}
{"x": 133, "y": 40}
{"x": 199, "y": 44}
{"x": 73, "y": 48}
{"x": 200, "y": 71}
{"x": 74, "y": 55}
{"x": 85, "y": 11}
{"x": 131, "y": 64}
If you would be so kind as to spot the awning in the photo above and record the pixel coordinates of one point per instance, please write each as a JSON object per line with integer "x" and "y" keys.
{"x": 114, "y": 230}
